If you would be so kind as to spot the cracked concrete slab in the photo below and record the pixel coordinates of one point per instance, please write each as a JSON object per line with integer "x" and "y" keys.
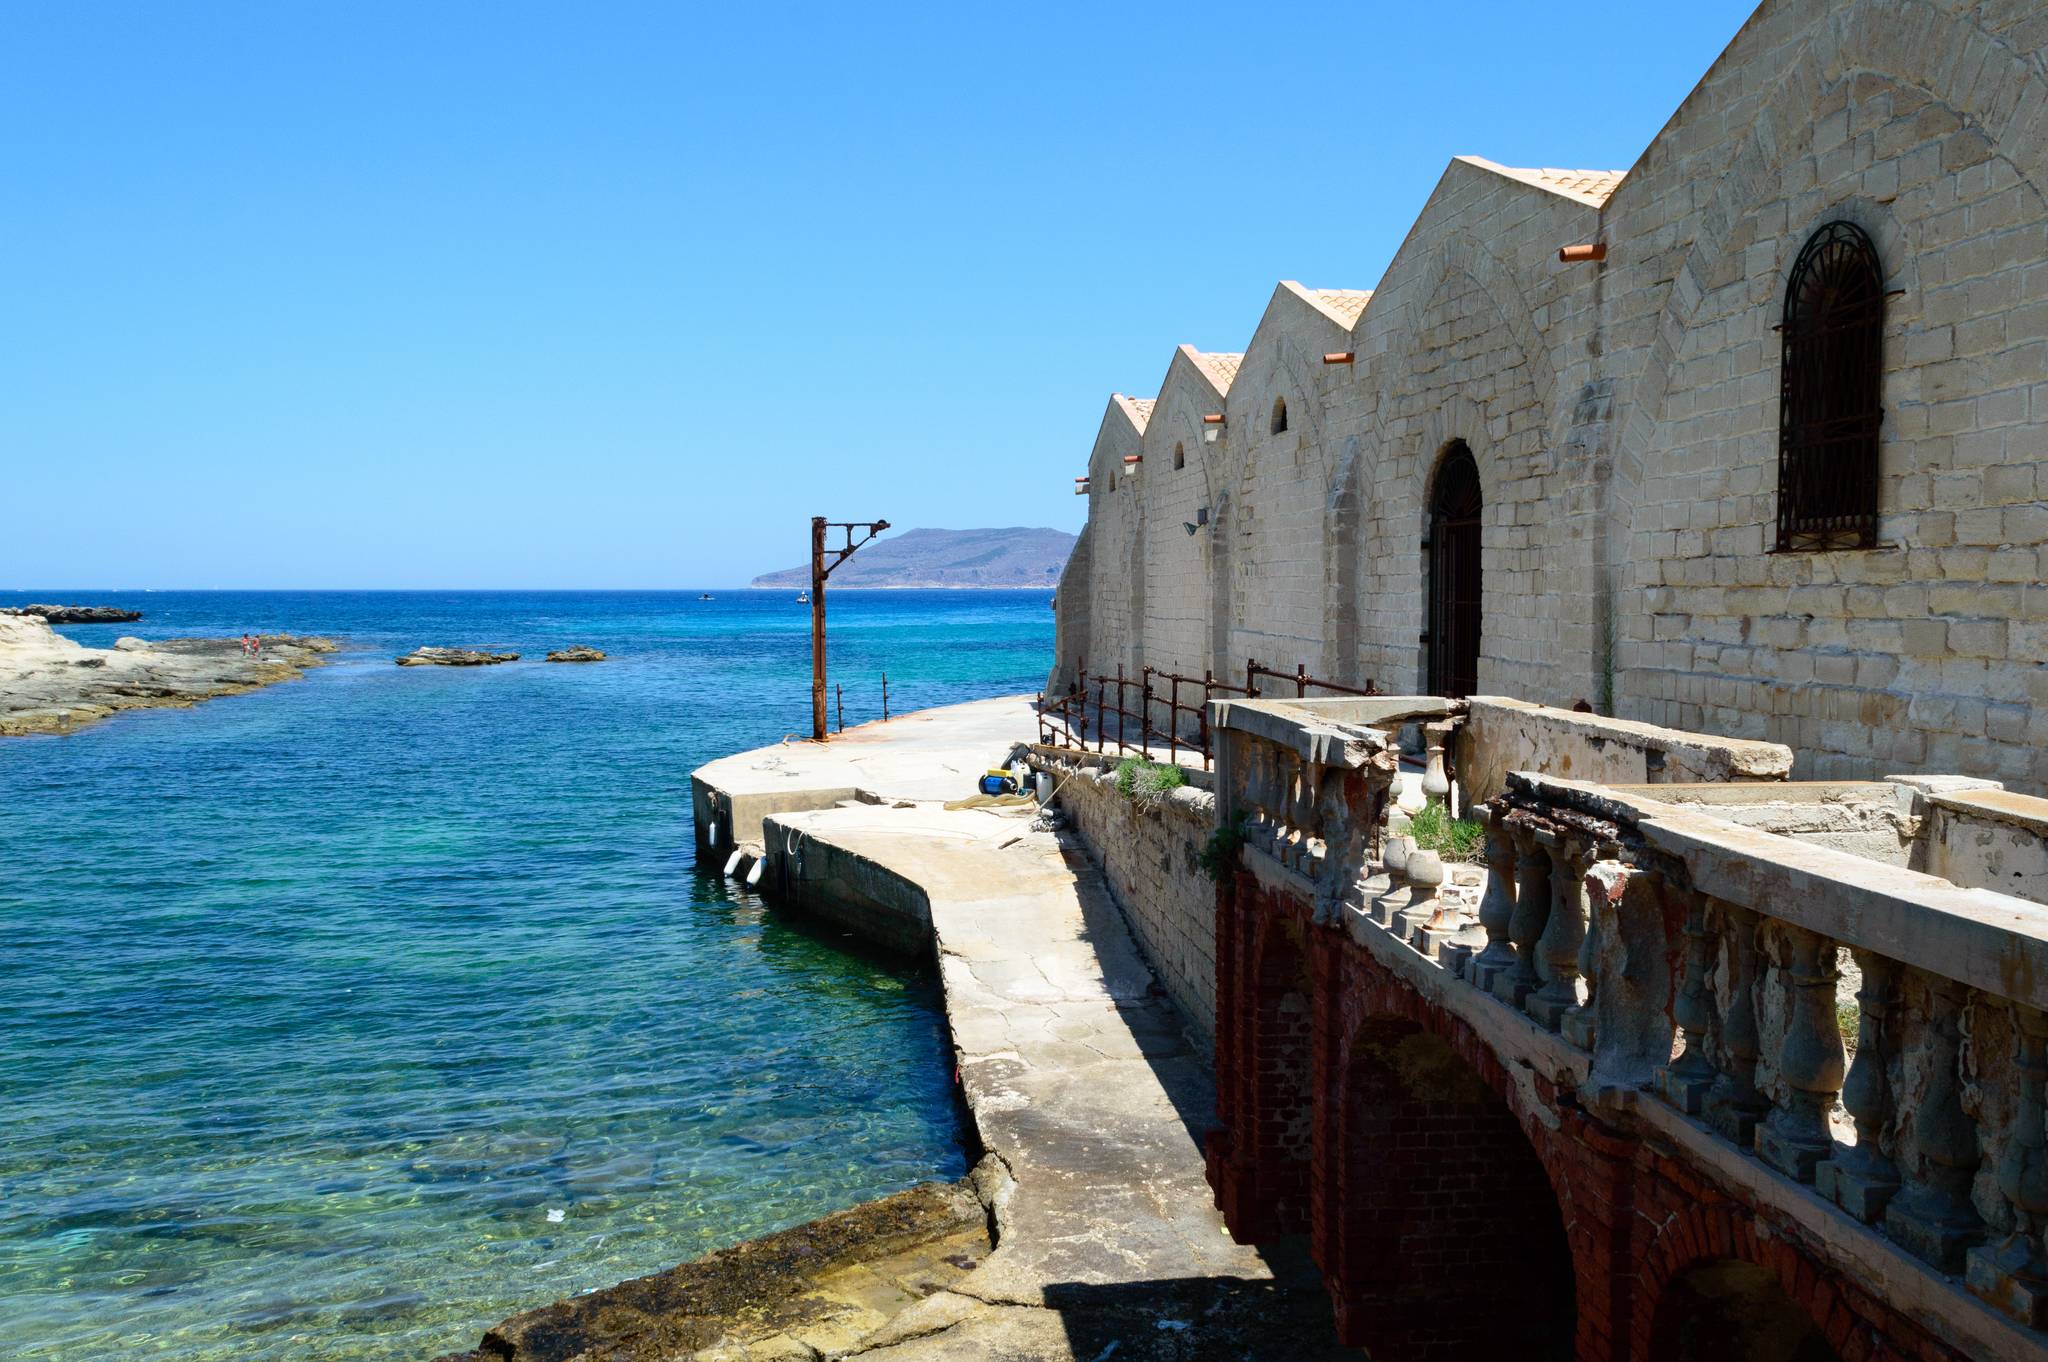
{"x": 1081, "y": 1082}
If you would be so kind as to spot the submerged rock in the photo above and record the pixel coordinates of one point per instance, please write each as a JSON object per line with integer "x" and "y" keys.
{"x": 579, "y": 653}
{"x": 76, "y": 614}
{"x": 796, "y": 1294}
{"x": 454, "y": 657}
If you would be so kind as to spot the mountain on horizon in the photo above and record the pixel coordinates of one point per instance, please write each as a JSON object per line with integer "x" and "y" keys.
{"x": 1017, "y": 557}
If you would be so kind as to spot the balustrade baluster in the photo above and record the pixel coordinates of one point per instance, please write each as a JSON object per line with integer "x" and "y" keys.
{"x": 1563, "y": 934}
{"x": 1497, "y": 906}
{"x": 1795, "y": 1137}
{"x": 1525, "y": 928}
{"x": 1686, "y": 1080}
{"x": 2013, "y": 1275}
{"x": 1436, "y": 786}
{"x": 1932, "y": 1217}
{"x": 1602, "y": 887}
{"x": 1734, "y": 1106}
{"x": 1861, "y": 1178}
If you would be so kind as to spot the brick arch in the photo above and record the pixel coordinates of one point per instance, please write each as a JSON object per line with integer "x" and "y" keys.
{"x": 1701, "y": 1233}
{"x": 1275, "y": 1095}
{"x": 1441, "y": 1225}
{"x": 1913, "y": 44}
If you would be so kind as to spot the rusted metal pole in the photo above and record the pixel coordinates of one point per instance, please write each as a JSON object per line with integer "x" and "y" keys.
{"x": 820, "y": 570}
{"x": 818, "y": 627}
{"x": 885, "y": 695}
{"x": 839, "y": 695}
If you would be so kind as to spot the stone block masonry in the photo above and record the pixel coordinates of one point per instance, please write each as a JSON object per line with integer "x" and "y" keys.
{"x": 1624, "y": 417}
{"x": 1149, "y": 857}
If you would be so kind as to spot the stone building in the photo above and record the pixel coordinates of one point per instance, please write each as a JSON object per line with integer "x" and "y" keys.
{"x": 1767, "y": 455}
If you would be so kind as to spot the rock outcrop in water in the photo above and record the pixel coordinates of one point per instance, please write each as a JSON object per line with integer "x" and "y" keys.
{"x": 805, "y": 1292}
{"x": 76, "y": 614}
{"x": 579, "y": 653}
{"x": 454, "y": 657}
{"x": 52, "y": 684}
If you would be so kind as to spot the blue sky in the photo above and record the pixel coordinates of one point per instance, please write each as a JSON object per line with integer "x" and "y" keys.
{"x": 511, "y": 295}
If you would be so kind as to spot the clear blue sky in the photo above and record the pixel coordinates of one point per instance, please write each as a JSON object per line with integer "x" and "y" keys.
{"x": 510, "y": 295}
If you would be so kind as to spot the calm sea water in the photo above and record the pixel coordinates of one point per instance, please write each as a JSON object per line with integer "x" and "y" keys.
{"x": 341, "y": 1019}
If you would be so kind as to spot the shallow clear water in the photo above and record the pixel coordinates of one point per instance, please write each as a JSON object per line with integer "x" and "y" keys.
{"x": 341, "y": 1019}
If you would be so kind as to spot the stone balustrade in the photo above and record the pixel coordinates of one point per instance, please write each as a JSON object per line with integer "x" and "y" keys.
{"x": 1872, "y": 1032}
{"x": 1778, "y": 945}
{"x": 1310, "y": 781}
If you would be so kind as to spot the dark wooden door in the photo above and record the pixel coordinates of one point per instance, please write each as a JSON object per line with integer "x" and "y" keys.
{"x": 1454, "y": 571}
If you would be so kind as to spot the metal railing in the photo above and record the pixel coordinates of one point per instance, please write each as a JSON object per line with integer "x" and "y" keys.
{"x": 1097, "y": 708}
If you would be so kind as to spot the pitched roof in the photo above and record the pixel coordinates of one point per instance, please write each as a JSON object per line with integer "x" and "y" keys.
{"x": 1587, "y": 186}
{"x": 1139, "y": 409}
{"x": 1221, "y": 370}
{"x": 1342, "y": 306}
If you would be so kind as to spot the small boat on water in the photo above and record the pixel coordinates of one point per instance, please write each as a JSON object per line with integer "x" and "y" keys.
{"x": 803, "y": 598}
{"x": 705, "y": 596}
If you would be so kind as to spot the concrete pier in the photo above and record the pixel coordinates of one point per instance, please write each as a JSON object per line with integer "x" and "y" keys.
{"x": 1079, "y": 1079}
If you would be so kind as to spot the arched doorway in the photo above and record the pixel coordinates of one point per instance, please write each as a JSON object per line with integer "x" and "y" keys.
{"x": 1448, "y": 1240}
{"x": 1725, "y": 1310}
{"x": 1454, "y": 574}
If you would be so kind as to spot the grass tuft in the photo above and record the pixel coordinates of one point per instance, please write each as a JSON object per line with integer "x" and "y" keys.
{"x": 1454, "y": 839}
{"x": 1146, "y": 783}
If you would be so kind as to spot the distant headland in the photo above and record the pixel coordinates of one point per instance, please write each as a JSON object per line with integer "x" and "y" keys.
{"x": 928, "y": 558}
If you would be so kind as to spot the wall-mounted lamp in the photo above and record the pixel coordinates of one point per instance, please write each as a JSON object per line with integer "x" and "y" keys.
{"x": 1591, "y": 250}
{"x": 1340, "y": 356}
{"x": 1201, "y": 519}
{"x": 1212, "y": 427}
{"x": 1188, "y": 525}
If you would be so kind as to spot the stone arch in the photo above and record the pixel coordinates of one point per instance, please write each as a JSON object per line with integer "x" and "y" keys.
{"x": 1342, "y": 567}
{"x": 1462, "y": 254}
{"x": 1702, "y": 1235}
{"x": 1453, "y": 573}
{"x": 1288, "y": 372}
{"x": 1443, "y": 1232}
{"x": 1345, "y": 526}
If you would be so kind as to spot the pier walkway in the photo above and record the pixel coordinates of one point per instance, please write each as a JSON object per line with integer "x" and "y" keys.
{"x": 1079, "y": 1079}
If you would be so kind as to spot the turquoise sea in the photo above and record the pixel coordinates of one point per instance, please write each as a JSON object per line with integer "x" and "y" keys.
{"x": 341, "y": 1019}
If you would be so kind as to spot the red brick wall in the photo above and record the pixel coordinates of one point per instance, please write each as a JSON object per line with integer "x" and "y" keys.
{"x": 1450, "y": 1209}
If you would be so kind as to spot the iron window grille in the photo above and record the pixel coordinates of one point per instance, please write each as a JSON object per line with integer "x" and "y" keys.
{"x": 1830, "y": 398}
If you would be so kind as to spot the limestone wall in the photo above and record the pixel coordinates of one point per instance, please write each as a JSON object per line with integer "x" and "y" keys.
{"x": 1148, "y": 860}
{"x": 1623, "y": 416}
{"x": 1990, "y": 839}
{"x": 1501, "y": 735}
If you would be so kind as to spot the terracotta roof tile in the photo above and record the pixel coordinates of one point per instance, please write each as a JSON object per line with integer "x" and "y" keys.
{"x": 1221, "y": 369}
{"x": 1345, "y": 304}
{"x": 1140, "y": 409}
{"x": 1587, "y": 186}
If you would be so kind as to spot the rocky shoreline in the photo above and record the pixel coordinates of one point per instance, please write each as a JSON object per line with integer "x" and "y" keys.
{"x": 52, "y": 684}
{"x": 802, "y": 1293}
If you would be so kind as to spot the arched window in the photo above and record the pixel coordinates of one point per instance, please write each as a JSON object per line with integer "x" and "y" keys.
{"x": 1180, "y": 455}
{"x": 1279, "y": 414}
{"x": 1829, "y": 396}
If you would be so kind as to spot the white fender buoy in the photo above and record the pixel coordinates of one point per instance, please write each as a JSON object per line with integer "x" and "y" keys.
{"x": 732, "y": 862}
{"x": 754, "y": 871}
{"x": 711, "y": 834}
